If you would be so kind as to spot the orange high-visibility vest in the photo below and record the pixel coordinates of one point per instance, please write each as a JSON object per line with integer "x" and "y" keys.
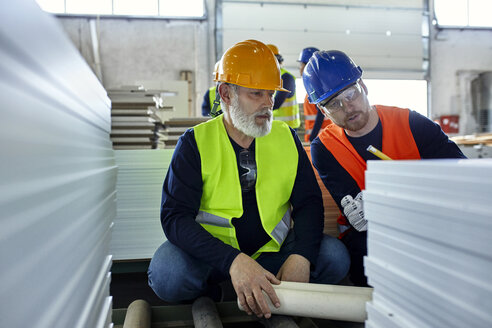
{"x": 310, "y": 112}
{"x": 398, "y": 143}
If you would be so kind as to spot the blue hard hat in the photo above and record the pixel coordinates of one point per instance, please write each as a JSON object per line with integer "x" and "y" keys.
{"x": 327, "y": 73}
{"x": 306, "y": 53}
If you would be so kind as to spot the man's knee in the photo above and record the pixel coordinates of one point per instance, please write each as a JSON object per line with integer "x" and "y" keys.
{"x": 168, "y": 286}
{"x": 333, "y": 259}
{"x": 173, "y": 276}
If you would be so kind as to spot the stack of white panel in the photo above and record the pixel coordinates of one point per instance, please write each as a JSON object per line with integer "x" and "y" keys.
{"x": 57, "y": 178}
{"x": 429, "y": 243}
{"x": 137, "y": 230}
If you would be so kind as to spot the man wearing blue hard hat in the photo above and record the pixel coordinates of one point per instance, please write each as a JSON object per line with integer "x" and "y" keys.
{"x": 314, "y": 120}
{"x": 334, "y": 83}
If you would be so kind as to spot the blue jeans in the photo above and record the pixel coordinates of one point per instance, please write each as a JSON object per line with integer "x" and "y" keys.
{"x": 175, "y": 276}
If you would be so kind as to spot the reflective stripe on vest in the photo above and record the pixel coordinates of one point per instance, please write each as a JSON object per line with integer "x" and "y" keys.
{"x": 279, "y": 233}
{"x": 211, "y": 219}
{"x": 282, "y": 228}
{"x": 276, "y": 158}
{"x": 313, "y": 117}
{"x": 286, "y": 118}
{"x": 289, "y": 110}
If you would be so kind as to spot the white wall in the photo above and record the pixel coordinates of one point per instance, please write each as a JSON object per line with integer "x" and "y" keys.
{"x": 138, "y": 49}
{"x": 146, "y": 49}
{"x": 453, "y": 52}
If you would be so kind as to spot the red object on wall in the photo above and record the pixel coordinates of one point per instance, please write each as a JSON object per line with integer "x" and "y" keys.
{"x": 449, "y": 123}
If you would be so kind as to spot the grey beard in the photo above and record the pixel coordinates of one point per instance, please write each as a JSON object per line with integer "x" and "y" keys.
{"x": 247, "y": 123}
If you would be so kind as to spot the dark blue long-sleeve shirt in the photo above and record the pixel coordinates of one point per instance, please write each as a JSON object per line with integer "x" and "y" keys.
{"x": 318, "y": 122}
{"x": 181, "y": 197}
{"x": 431, "y": 142}
{"x": 289, "y": 83}
{"x": 206, "y": 104}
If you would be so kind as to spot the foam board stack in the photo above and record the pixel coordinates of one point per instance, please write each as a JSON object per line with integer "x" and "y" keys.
{"x": 137, "y": 230}
{"x": 429, "y": 243}
{"x": 173, "y": 128}
{"x": 135, "y": 120}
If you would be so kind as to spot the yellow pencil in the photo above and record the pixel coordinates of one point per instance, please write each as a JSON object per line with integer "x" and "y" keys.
{"x": 378, "y": 153}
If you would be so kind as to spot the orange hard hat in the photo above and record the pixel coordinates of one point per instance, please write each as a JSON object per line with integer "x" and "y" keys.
{"x": 216, "y": 67}
{"x": 250, "y": 64}
{"x": 275, "y": 51}
{"x": 273, "y": 48}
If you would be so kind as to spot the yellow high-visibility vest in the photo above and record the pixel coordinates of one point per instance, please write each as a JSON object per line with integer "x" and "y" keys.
{"x": 276, "y": 161}
{"x": 211, "y": 98}
{"x": 289, "y": 110}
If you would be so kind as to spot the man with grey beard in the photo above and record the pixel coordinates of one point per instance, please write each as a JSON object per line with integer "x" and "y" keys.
{"x": 235, "y": 186}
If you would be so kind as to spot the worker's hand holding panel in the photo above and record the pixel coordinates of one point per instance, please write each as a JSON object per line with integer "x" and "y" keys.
{"x": 354, "y": 211}
{"x": 249, "y": 280}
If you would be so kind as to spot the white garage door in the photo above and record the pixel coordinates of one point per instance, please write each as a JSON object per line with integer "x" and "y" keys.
{"x": 384, "y": 37}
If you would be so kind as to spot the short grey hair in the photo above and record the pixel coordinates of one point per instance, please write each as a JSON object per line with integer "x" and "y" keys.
{"x": 234, "y": 87}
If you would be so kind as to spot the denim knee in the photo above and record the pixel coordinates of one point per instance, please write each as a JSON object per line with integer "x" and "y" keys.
{"x": 333, "y": 262}
{"x": 175, "y": 276}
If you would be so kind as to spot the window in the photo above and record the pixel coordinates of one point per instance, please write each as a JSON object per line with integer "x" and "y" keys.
{"x": 134, "y": 8}
{"x": 401, "y": 93}
{"x": 91, "y": 7}
{"x": 145, "y": 8}
{"x": 463, "y": 13}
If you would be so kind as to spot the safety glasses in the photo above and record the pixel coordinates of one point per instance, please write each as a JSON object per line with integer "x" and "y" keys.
{"x": 335, "y": 104}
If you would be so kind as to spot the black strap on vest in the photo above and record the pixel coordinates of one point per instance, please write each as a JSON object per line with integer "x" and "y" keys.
{"x": 214, "y": 112}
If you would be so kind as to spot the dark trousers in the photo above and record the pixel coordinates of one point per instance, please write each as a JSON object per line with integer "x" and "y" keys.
{"x": 356, "y": 243}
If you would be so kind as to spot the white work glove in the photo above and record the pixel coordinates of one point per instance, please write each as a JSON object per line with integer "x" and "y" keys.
{"x": 354, "y": 211}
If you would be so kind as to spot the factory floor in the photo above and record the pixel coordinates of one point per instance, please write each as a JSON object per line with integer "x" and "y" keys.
{"x": 129, "y": 283}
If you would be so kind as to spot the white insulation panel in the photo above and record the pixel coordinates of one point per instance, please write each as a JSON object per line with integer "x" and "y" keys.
{"x": 57, "y": 178}
{"x": 429, "y": 243}
{"x": 137, "y": 231}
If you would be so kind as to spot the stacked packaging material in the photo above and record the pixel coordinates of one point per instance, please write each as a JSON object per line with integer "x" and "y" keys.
{"x": 137, "y": 230}
{"x": 174, "y": 127}
{"x": 429, "y": 243}
{"x": 135, "y": 121}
